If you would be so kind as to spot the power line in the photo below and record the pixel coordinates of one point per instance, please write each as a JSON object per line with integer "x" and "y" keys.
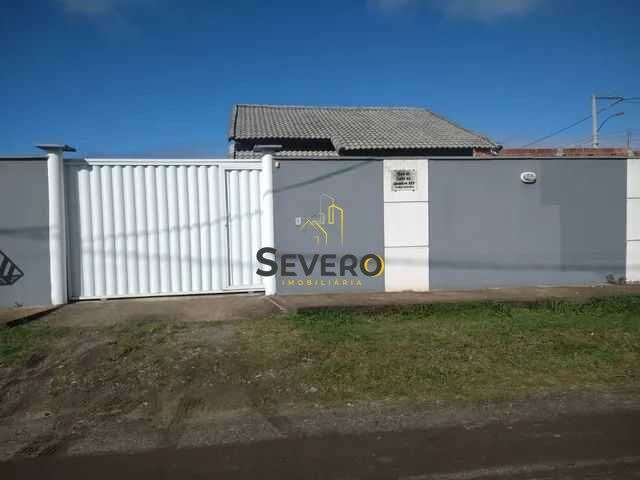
{"x": 620, "y": 133}
{"x": 608, "y": 136}
{"x": 557, "y": 132}
{"x": 582, "y": 120}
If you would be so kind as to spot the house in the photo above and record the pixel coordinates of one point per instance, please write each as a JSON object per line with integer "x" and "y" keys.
{"x": 358, "y": 199}
{"x": 305, "y": 131}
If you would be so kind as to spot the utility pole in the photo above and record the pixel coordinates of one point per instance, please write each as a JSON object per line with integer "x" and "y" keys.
{"x": 594, "y": 121}
{"x": 595, "y": 142}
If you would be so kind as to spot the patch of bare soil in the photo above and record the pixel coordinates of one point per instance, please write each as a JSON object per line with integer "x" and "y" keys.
{"x": 149, "y": 372}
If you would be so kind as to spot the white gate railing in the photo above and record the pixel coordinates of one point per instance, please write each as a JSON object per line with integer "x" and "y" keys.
{"x": 162, "y": 227}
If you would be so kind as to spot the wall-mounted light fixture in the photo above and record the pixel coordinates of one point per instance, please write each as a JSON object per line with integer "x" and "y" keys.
{"x": 528, "y": 177}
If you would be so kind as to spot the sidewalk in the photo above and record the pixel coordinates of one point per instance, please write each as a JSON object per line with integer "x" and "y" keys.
{"x": 10, "y": 317}
{"x": 300, "y": 303}
{"x": 224, "y": 307}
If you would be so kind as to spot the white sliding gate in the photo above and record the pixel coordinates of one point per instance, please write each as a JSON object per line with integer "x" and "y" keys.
{"x": 162, "y": 227}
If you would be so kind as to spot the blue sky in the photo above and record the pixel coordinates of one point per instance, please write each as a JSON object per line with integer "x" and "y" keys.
{"x": 160, "y": 76}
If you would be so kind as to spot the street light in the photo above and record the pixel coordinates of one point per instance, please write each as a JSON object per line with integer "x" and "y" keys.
{"x": 594, "y": 113}
{"x": 618, "y": 114}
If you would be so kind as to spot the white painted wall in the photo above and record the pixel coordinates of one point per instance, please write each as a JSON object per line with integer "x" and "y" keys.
{"x": 633, "y": 220}
{"x": 57, "y": 226}
{"x": 406, "y": 224}
{"x": 406, "y": 229}
{"x": 158, "y": 227}
{"x": 267, "y": 222}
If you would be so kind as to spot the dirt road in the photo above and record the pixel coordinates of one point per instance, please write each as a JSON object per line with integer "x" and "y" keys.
{"x": 602, "y": 446}
{"x": 164, "y": 390}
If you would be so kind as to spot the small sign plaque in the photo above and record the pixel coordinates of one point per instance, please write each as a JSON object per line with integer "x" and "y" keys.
{"x": 403, "y": 180}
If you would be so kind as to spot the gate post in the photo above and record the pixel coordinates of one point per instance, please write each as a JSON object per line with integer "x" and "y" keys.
{"x": 57, "y": 222}
{"x": 268, "y": 234}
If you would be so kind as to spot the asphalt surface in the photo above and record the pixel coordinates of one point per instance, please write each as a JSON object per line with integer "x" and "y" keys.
{"x": 586, "y": 446}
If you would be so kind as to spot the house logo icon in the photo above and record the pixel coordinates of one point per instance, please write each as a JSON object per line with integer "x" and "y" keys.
{"x": 328, "y": 224}
{"x": 10, "y": 273}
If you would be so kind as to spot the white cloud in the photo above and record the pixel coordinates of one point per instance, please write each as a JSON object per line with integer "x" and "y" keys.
{"x": 482, "y": 10}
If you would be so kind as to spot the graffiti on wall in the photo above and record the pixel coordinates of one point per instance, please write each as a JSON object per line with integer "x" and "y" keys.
{"x": 10, "y": 273}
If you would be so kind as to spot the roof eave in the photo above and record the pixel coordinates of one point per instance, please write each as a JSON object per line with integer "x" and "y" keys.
{"x": 233, "y": 122}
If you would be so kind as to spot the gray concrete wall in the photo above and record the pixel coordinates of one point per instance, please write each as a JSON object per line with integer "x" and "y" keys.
{"x": 24, "y": 232}
{"x": 488, "y": 229}
{"x": 356, "y": 185}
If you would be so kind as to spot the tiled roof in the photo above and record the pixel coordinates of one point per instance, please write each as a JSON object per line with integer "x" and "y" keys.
{"x": 569, "y": 152}
{"x": 353, "y": 128}
{"x": 288, "y": 153}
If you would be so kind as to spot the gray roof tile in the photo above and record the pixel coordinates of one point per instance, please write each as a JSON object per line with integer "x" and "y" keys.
{"x": 288, "y": 153}
{"x": 353, "y": 128}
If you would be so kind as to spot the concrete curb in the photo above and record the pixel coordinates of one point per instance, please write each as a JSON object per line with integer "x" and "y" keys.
{"x": 377, "y": 302}
{"x": 12, "y": 317}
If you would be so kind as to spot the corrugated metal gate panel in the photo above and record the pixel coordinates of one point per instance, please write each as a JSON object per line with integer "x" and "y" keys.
{"x": 140, "y": 228}
{"x": 243, "y": 197}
